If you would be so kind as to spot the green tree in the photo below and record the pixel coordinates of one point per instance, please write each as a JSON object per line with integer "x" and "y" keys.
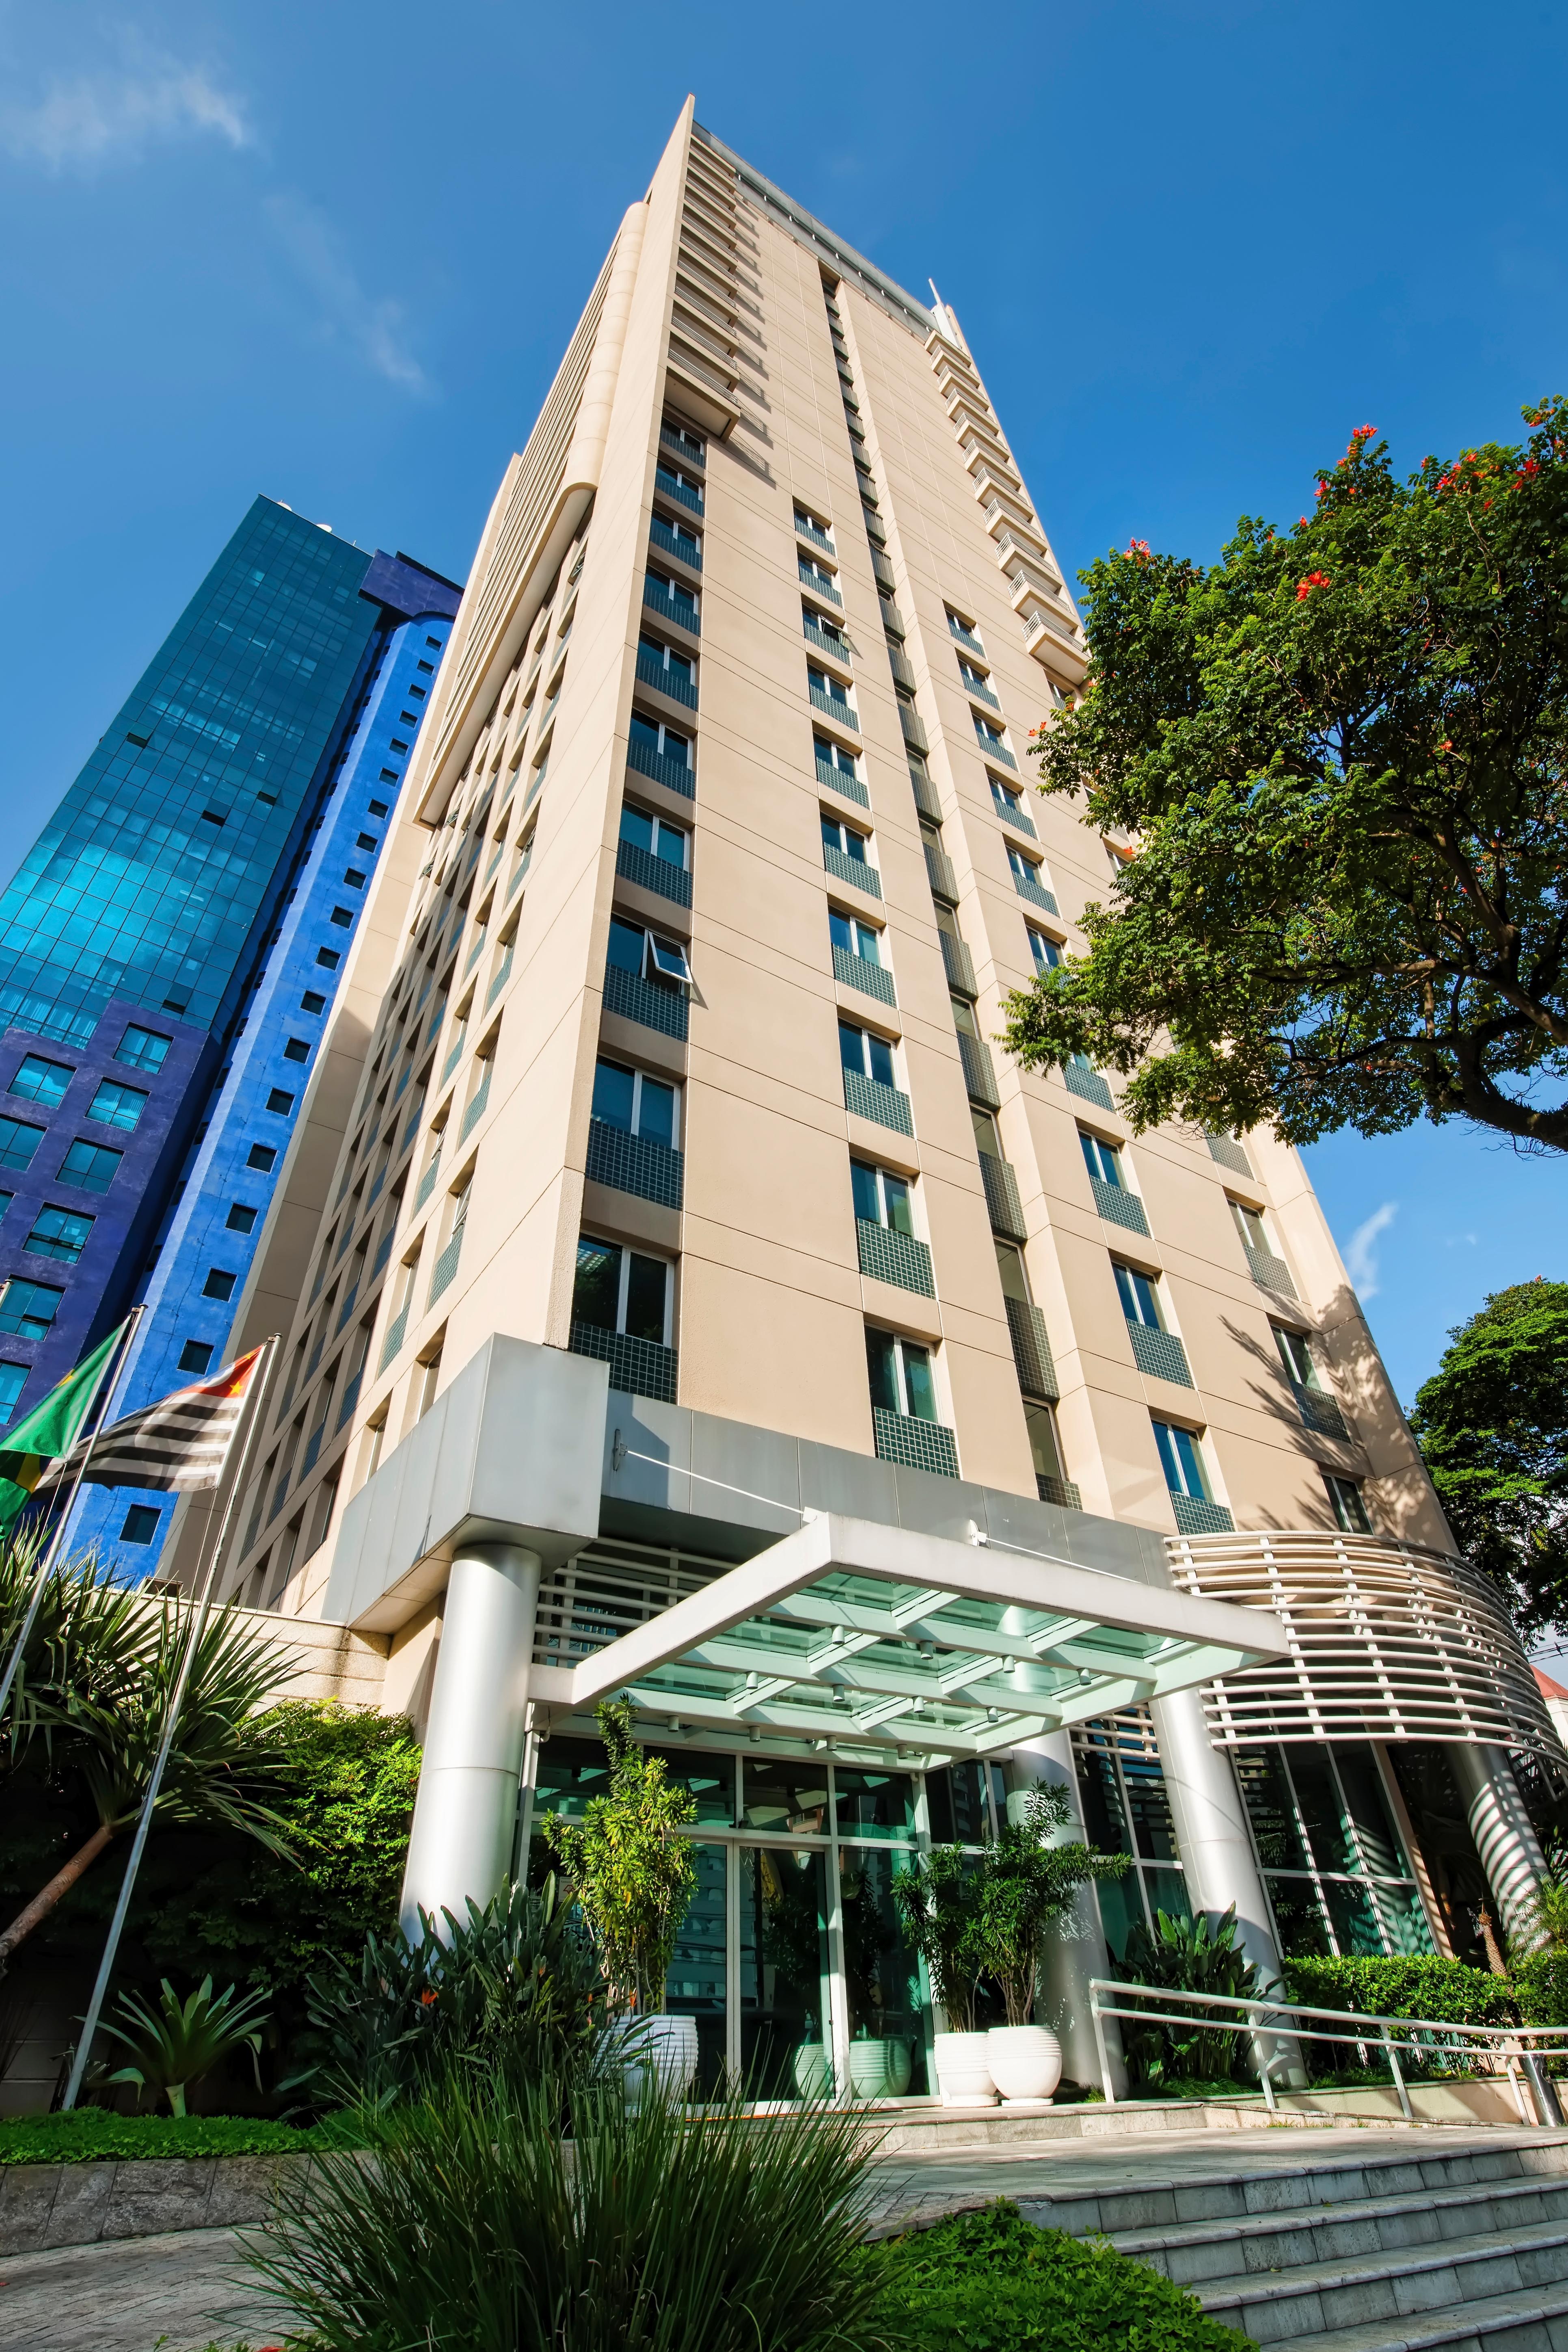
{"x": 1492, "y": 1423}
{"x": 632, "y": 1872}
{"x": 1337, "y": 760}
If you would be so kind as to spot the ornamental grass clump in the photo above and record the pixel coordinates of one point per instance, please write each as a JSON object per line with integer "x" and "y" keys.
{"x": 477, "y": 2227}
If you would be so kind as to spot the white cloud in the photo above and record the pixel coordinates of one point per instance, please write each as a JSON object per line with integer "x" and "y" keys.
{"x": 1360, "y": 1261}
{"x": 109, "y": 117}
{"x": 371, "y": 326}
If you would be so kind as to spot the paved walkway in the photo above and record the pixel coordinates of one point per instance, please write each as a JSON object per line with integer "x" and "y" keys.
{"x": 188, "y": 2289}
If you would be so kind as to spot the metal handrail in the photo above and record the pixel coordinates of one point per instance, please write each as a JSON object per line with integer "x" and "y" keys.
{"x": 1512, "y": 2046}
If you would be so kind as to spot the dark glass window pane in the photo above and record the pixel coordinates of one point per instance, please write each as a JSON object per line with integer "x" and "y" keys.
{"x": 778, "y": 1794}
{"x": 1269, "y": 1808}
{"x": 880, "y": 1054}
{"x": 1356, "y": 1930}
{"x": 1320, "y": 1802}
{"x": 17, "y": 1142}
{"x": 880, "y": 1368}
{"x": 1103, "y": 1818}
{"x": 144, "y": 1049}
{"x": 955, "y": 1797}
{"x": 647, "y": 1280}
{"x": 656, "y": 1112}
{"x": 840, "y": 931}
{"x": 645, "y": 732}
{"x": 613, "y": 1088}
{"x": 1382, "y": 1852}
{"x": 873, "y": 1804}
{"x": 119, "y": 1106}
{"x": 41, "y": 1081}
{"x": 89, "y": 1165}
{"x": 863, "y": 1183}
{"x": 636, "y": 828}
{"x": 851, "y": 1053}
{"x": 896, "y": 1193}
{"x": 626, "y": 950}
{"x": 28, "y": 1309}
{"x": 918, "y": 1381}
{"x": 57, "y": 1232}
{"x": 596, "y": 1292}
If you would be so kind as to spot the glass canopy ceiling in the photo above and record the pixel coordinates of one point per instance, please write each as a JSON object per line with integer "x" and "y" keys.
{"x": 872, "y": 1641}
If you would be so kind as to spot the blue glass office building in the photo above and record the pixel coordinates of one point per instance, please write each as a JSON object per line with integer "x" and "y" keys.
{"x": 139, "y": 941}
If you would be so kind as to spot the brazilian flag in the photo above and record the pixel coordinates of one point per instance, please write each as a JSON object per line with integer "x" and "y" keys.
{"x": 49, "y": 1429}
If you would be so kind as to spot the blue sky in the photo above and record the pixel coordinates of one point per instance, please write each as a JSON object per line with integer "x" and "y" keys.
{"x": 332, "y": 252}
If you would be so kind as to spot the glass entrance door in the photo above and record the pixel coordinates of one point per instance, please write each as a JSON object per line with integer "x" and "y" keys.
{"x": 787, "y": 1973}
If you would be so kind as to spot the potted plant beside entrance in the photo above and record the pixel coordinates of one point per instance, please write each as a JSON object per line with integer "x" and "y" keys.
{"x": 634, "y": 1876}
{"x": 1023, "y": 1886}
{"x": 937, "y": 1901}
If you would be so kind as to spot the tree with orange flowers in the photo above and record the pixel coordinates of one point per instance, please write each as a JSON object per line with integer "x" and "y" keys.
{"x": 1337, "y": 761}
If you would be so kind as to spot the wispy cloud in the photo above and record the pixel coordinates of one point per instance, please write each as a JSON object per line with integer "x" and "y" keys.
{"x": 1361, "y": 1257}
{"x": 116, "y": 116}
{"x": 369, "y": 325}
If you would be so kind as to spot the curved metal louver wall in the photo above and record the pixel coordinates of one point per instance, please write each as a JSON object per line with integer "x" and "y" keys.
{"x": 1388, "y": 1640}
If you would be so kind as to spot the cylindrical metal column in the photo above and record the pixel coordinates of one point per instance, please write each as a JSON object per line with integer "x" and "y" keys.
{"x": 1076, "y": 1949}
{"x": 466, "y": 1812}
{"x": 1504, "y": 1834}
{"x": 1210, "y": 1821}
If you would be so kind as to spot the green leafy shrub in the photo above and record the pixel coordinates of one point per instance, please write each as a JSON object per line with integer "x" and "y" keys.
{"x": 1186, "y": 1955}
{"x": 89, "y": 2134}
{"x": 1541, "y": 1986}
{"x": 1445, "y": 1991}
{"x": 991, "y": 2281}
{"x": 478, "y": 2230}
{"x": 179, "y": 2042}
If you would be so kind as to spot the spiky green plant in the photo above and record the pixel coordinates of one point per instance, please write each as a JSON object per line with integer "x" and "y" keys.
{"x": 176, "y": 2043}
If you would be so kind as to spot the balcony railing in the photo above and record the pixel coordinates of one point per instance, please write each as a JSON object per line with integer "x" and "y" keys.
{"x": 1035, "y": 893}
{"x": 979, "y": 691}
{"x": 914, "y": 730}
{"x": 645, "y": 1001}
{"x": 979, "y": 1071}
{"x": 476, "y": 1109}
{"x": 839, "y": 779}
{"x": 1118, "y": 1205}
{"x": 1086, "y": 1084}
{"x": 818, "y": 538}
{"x": 939, "y": 873}
{"x": 679, "y": 609}
{"x": 1318, "y": 1411}
{"x": 915, "y": 1444}
{"x": 637, "y": 1366}
{"x": 870, "y": 1098}
{"x": 835, "y": 648}
{"x": 898, "y": 1258}
{"x": 675, "y": 775}
{"x": 426, "y": 1185}
{"x": 1197, "y": 1517}
{"x": 635, "y": 1163}
{"x": 903, "y": 669}
{"x": 446, "y": 1268}
{"x": 958, "y": 964}
{"x": 991, "y": 748}
{"x": 666, "y": 680}
{"x": 832, "y": 706}
{"x": 651, "y": 873}
{"x": 1160, "y": 1354}
{"x": 818, "y": 582}
{"x": 680, "y": 442}
{"x": 858, "y": 972}
{"x": 882, "y": 570}
{"x": 1018, "y": 818}
{"x": 1228, "y": 1152}
{"x": 683, "y": 550}
{"x": 963, "y": 637}
{"x": 856, "y": 871}
{"x": 893, "y": 619}
{"x": 454, "y": 1056}
{"x": 1003, "y": 1205}
{"x": 682, "y": 492}
{"x": 924, "y": 791}
{"x": 1270, "y": 1273}
{"x": 1060, "y": 1491}
{"x": 1032, "y": 1355}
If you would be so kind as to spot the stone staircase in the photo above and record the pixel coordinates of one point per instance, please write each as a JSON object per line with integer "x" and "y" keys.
{"x": 1463, "y": 2248}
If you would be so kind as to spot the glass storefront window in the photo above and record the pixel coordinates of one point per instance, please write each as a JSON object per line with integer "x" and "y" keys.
{"x": 783, "y": 1796}
{"x": 709, "y": 1778}
{"x": 786, "y": 1974}
{"x": 881, "y": 1979}
{"x": 873, "y": 1804}
{"x": 566, "y": 1773}
{"x": 962, "y": 1804}
{"x": 1322, "y": 1816}
{"x": 1334, "y": 1863}
{"x": 696, "y": 1984}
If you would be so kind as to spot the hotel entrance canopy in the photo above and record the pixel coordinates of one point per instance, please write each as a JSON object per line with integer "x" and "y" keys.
{"x": 871, "y": 1642}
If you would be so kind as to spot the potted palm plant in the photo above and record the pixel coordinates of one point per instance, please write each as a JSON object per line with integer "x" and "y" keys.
{"x": 1023, "y": 1886}
{"x": 633, "y": 1875}
{"x": 937, "y": 1901}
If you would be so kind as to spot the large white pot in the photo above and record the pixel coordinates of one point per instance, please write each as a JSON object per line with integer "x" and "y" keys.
{"x": 868, "y": 2069}
{"x": 663, "y": 2050}
{"x": 813, "y": 2071}
{"x": 1026, "y": 2061}
{"x": 963, "y": 2074}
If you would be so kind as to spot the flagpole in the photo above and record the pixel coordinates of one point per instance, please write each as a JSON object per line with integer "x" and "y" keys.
{"x": 260, "y": 1377}
{"x": 101, "y": 1402}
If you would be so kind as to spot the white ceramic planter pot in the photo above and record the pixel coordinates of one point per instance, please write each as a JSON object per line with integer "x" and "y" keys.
{"x": 1026, "y": 2061}
{"x": 961, "y": 2071}
{"x": 868, "y": 2063}
{"x": 664, "y": 2051}
{"x": 813, "y": 2071}
{"x": 900, "y": 2067}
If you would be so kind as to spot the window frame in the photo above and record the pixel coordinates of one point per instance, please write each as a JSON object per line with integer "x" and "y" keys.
{"x": 1195, "y": 1467}
{"x": 626, "y": 1251}
{"x": 640, "y": 1078}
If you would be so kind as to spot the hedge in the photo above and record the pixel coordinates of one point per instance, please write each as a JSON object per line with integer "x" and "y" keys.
{"x": 90, "y": 2135}
{"x": 1445, "y": 1991}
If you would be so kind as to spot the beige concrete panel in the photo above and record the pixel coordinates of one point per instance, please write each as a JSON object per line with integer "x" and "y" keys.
{"x": 752, "y": 1169}
{"x": 801, "y": 1365}
{"x": 988, "y": 1415}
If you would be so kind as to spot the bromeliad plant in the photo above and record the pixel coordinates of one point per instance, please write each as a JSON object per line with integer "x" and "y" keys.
{"x": 173, "y": 2047}
{"x": 631, "y": 1871}
{"x": 1186, "y": 1955}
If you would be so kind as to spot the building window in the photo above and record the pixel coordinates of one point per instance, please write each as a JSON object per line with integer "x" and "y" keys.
{"x": 1296, "y": 1354}
{"x": 297, "y": 1050}
{"x": 194, "y": 1356}
{"x": 1046, "y": 952}
{"x": 622, "y": 1290}
{"x": 964, "y": 631}
{"x": 1127, "y": 1810}
{"x": 27, "y": 1309}
{"x": 661, "y": 666}
{"x": 818, "y": 625}
{"x": 241, "y": 1217}
{"x": 661, "y": 742}
{"x": 828, "y": 689}
{"x": 1139, "y": 1296}
{"x": 636, "y": 1103}
{"x": 901, "y": 1375}
{"x": 1182, "y": 1460}
{"x": 647, "y": 954}
{"x": 262, "y": 1156}
{"x": 342, "y": 917}
{"x": 847, "y": 843}
{"x": 312, "y": 1001}
{"x": 91, "y": 1166}
{"x": 1347, "y": 1504}
{"x": 1103, "y": 1160}
{"x": 809, "y": 527}
{"x": 142, "y": 1049}
{"x": 881, "y": 1198}
{"x": 219, "y": 1282}
{"x": 656, "y": 837}
{"x": 42, "y": 1082}
{"x": 117, "y": 1106}
{"x": 869, "y": 1056}
{"x": 1334, "y": 1863}
{"x": 280, "y": 1101}
{"x": 13, "y": 1381}
{"x": 329, "y": 958}
{"x": 837, "y": 760}
{"x": 61, "y": 1234}
{"x": 989, "y": 738}
{"x": 18, "y": 1143}
{"x": 851, "y": 937}
{"x": 674, "y": 596}
{"x": 141, "y": 1524}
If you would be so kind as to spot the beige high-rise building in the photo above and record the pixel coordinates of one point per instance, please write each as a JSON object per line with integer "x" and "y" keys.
{"x": 682, "y": 1294}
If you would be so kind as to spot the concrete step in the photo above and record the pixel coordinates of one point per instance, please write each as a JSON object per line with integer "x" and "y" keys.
{"x": 1303, "y": 2303}
{"x": 1529, "y": 2322}
{"x": 1339, "y": 2230}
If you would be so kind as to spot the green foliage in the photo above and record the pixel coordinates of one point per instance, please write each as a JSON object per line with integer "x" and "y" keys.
{"x": 1541, "y": 1987}
{"x": 1026, "y": 1886}
{"x": 179, "y": 2041}
{"x": 1340, "y": 753}
{"x": 344, "y": 1782}
{"x": 1492, "y": 1425}
{"x": 89, "y": 2134}
{"x": 506, "y": 1994}
{"x": 633, "y": 1875}
{"x": 1186, "y": 1956}
{"x": 991, "y": 2281}
{"x": 479, "y": 2230}
{"x": 1422, "y": 1986}
{"x": 938, "y": 1900}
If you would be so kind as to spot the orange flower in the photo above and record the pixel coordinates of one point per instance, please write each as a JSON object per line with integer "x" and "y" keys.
{"x": 1313, "y": 580}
